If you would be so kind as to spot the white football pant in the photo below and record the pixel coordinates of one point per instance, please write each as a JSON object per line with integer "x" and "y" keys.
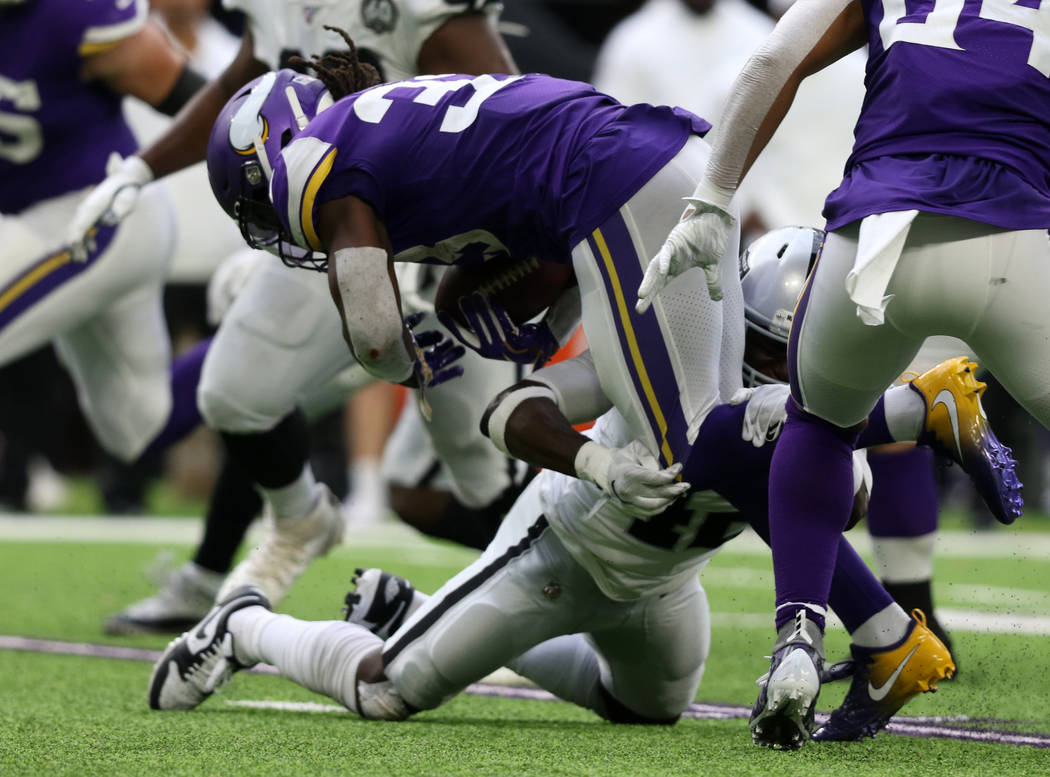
{"x": 105, "y": 316}
{"x": 984, "y": 285}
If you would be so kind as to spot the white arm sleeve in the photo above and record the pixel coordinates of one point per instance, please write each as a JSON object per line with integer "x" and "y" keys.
{"x": 373, "y": 319}
{"x": 756, "y": 89}
{"x": 577, "y": 390}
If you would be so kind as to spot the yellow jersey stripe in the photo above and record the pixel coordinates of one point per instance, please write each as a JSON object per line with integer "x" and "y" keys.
{"x": 306, "y": 209}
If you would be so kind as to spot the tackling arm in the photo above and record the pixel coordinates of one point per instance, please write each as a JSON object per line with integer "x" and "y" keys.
{"x": 531, "y": 420}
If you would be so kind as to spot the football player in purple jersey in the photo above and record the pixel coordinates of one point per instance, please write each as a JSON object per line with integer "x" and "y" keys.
{"x": 590, "y": 590}
{"x": 274, "y": 353}
{"x": 485, "y": 168}
{"x": 939, "y": 227}
{"x": 64, "y": 69}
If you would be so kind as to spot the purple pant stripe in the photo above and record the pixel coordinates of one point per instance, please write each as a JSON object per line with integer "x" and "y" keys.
{"x": 796, "y": 328}
{"x": 641, "y": 340}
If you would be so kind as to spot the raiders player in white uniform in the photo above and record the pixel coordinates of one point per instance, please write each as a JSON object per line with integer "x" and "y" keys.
{"x": 280, "y": 339}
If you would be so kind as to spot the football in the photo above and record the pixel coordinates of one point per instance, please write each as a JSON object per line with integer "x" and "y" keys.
{"x": 524, "y": 287}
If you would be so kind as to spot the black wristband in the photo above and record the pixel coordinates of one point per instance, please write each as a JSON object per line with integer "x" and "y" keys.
{"x": 186, "y": 85}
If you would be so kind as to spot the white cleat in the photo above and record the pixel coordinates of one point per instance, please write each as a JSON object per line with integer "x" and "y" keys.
{"x": 195, "y": 664}
{"x": 184, "y": 598}
{"x": 288, "y": 548}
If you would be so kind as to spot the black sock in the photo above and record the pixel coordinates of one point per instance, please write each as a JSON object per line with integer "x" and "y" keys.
{"x": 274, "y": 458}
{"x": 233, "y": 506}
{"x": 919, "y": 595}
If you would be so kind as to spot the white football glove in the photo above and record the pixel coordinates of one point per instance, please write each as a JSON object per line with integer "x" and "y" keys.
{"x": 765, "y": 413}
{"x": 229, "y": 279}
{"x": 698, "y": 240}
{"x": 630, "y": 475}
{"x": 109, "y": 203}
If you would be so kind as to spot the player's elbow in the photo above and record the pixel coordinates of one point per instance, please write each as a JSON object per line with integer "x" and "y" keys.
{"x": 382, "y": 354}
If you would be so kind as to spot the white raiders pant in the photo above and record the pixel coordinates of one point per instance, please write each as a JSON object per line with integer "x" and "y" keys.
{"x": 984, "y": 285}
{"x": 105, "y": 316}
{"x": 526, "y": 589}
{"x": 280, "y": 346}
{"x": 665, "y": 369}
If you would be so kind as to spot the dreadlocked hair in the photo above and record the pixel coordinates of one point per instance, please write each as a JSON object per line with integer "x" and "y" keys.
{"x": 341, "y": 72}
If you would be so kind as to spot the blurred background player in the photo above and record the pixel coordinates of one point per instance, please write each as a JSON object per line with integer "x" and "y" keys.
{"x": 62, "y": 127}
{"x": 277, "y": 343}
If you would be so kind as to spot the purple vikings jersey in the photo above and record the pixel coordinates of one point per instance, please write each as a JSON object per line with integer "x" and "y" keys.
{"x": 56, "y": 131}
{"x": 461, "y": 169}
{"x": 956, "y": 118}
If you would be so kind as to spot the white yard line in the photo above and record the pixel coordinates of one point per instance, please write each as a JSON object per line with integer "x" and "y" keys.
{"x": 187, "y": 531}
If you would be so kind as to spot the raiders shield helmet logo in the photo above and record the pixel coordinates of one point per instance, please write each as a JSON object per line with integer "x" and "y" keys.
{"x": 379, "y": 15}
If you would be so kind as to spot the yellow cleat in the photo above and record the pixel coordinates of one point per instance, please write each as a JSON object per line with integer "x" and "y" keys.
{"x": 957, "y": 427}
{"x": 885, "y": 680}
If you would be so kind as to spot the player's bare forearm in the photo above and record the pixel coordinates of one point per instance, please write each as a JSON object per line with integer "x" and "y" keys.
{"x": 466, "y": 44}
{"x": 537, "y": 432}
{"x": 185, "y": 142}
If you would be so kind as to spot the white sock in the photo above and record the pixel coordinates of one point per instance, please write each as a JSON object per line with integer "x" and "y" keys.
{"x": 320, "y": 655}
{"x": 905, "y": 413}
{"x": 886, "y": 627}
{"x": 566, "y": 666}
{"x": 368, "y": 493}
{"x": 297, "y": 498}
{"x": 904, "y": 559}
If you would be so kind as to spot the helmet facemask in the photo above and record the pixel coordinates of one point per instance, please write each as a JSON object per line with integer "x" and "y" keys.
{"x": 250, "y": 132}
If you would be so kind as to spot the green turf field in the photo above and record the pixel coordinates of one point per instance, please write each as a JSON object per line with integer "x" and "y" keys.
{"x": 80, "y": 715}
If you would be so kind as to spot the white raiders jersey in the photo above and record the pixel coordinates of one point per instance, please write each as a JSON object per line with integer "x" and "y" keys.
{"x": 387, "y": 33}
{"x": 596, "y": 530}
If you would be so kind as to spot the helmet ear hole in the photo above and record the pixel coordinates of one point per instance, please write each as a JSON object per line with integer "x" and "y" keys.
{"x": 286, "y": 138}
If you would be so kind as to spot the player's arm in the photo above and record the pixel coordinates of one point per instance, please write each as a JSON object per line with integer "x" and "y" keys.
{"x": 145, "y": 65}
{"x": 532, "y": 420}
{"x": 364, "y": 288}
{"x": 185, "y": 142}
{"x": 182, "y": 144}
{"x": 809, "y": 37}
{"x": 467, "y": 43}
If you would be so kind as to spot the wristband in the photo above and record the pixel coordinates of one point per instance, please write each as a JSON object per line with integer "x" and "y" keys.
{"x": 495, "y": 424}
{"x": 592, "y": 464}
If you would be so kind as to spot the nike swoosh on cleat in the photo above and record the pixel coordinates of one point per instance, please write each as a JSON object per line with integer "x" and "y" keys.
{"x": 200, "y": 638}
{"x": 953, "y": 414}
{"x": 878, "y": 694}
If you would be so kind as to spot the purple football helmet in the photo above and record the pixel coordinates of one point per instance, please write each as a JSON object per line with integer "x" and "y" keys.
{"x": 250, "y": 131}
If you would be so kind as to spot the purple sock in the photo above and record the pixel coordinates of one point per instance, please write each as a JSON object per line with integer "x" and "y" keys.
{"x": 904, "y": 498}
{"x": 184, "y": 417}
{"x": 856, "y": 594}
{"x": 810, "y": 499}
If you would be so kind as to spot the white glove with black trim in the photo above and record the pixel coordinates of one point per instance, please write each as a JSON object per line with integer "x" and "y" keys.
{"x": 698, "y": 240}
{"x": 631, "y": 475}
{"x": 109, "y": 203}
{"x": 765, "y": 413}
